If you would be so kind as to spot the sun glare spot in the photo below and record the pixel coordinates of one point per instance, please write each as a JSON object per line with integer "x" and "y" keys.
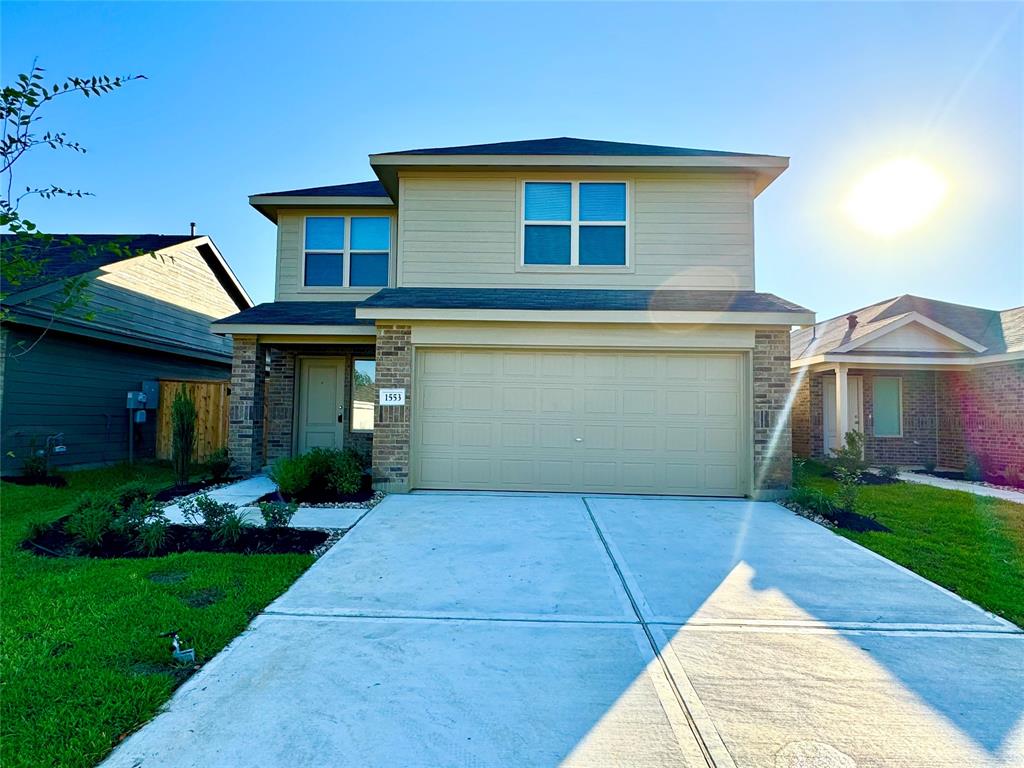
{"x": 896, "y": 197}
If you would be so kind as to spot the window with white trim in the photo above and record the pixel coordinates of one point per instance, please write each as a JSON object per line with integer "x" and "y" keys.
{"x": 887, "y": 404}
{"x": 346, "y": 251}
{"x": 575, "y": 223}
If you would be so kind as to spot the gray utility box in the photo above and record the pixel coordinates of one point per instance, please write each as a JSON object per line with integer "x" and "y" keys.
{"x": 152, "y": 392}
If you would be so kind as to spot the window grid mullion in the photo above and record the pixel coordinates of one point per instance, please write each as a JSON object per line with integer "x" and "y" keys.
{"x": 574, "y": 225}
{"x": 346, "y": 259}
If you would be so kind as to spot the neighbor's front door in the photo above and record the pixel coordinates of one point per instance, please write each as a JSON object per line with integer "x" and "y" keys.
{"x": 854, "y": 410}
{"x": 321, "y": 402}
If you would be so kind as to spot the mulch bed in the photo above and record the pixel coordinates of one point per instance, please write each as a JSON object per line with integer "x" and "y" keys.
{"x": 176, "y": 492}
{"x": 323, "y": 495}
{"x": 54, "y": 481}
{"x": 54, "y": 541}
{"x": 852, "y": 521}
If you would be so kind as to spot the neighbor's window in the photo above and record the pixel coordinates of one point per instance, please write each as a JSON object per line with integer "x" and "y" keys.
{"x": 887, "y": 398}
{"x": 364, "y": 389}
{"x": 347, "y": 252}
{"x": 574, "y": 223}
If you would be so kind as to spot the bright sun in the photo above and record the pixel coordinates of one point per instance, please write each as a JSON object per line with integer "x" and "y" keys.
{"x": 896, "y": 197}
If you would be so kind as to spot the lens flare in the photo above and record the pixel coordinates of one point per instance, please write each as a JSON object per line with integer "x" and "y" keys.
{"x": 896, "y": 197}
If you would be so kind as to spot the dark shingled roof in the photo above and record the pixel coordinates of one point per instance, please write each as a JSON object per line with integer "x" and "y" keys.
{"x": 358, "y": 189}
{"x": 566, "y": 145}
{"x": 298, "y": 313}
{"x": 62, "y": 261}
{"x": 580, "y": 300}
{"x": 999, "y": 332}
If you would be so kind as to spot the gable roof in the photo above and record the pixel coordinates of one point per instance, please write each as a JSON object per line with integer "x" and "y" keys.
{"x": 982, "y": 332}
{"x": 65, "y": 258}
{"x": 568, "y": 145}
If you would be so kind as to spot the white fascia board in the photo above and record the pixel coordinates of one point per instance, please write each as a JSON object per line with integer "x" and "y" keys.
{"x": 248, "y": 329}
{"x": 786, "y": 319}
{"x": 888, "y": 361}
{"x": 913, "y": 317}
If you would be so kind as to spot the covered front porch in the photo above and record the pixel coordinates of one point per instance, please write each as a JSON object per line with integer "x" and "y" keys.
{"x": 302, "y": 377}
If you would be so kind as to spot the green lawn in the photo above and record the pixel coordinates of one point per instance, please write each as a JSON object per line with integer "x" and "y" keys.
{"x": 80, "y": 661}
{"x": 971, "y": 545}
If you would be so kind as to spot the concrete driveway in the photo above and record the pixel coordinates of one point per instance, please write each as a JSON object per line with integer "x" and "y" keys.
{"x": 536, "y": 630}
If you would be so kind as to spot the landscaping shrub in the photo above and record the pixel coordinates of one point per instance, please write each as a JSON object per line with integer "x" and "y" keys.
{"x": 889, "y": 472}
{"x": 183, "y": 434}
{"x": 972, "y": 468}
{"x": 323, "y": 473}
{"x": 36, "y": 465}
{"x": 848, "y": 466}
{"x": 219, "y": 463}
{"x": 128, "y": 511}
{"x": 230, "y": 528}
{"x": 277, "y": 514}
{"x": 129, "y": 494}
{"x": 799, "y": 472}
{"x": 814, "y": 500}
{"x": 92, "y": 519}
{"x": 929, "y": 466}
{"x": 292, "y": 475}
{"x": 207, "y": 512}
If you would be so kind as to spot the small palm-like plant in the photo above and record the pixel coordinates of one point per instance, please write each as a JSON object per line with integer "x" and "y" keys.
{"x": 183, "y": 436}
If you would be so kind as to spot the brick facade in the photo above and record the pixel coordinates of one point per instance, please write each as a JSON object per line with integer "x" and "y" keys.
{"x": 391, "y": 448}
{"x": 946, "y": 416}
{"x": 245, "y": 418}
{"x": 981, "y": 413}
{"x": 773, "y": 465}
{"x": 280, "y": 404}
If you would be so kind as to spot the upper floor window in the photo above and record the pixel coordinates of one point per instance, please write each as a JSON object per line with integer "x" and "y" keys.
{"x": 574, "y": 223}
{"x": 344, "y": 252}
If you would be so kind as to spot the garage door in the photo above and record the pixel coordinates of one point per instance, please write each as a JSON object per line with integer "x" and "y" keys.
{"x": 596, "y": 421}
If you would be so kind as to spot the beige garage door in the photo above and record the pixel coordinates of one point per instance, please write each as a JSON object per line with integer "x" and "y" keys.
{"x": 617, "y": 422}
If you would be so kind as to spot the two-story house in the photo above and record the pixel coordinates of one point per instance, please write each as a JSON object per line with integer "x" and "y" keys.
{"x": 555, "y": 314}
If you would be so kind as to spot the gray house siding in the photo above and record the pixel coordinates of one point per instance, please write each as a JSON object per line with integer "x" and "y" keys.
{"x": 77, "y": 386}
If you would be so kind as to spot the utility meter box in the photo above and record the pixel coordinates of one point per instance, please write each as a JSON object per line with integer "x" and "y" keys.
{"x": 136, "y": 401}
{"x": 151, "y": 389}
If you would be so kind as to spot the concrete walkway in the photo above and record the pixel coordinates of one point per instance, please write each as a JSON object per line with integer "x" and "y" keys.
{"x": 961, "y": 485}
{"x": 243, "y": 493}
{"x": 488, "y": 630}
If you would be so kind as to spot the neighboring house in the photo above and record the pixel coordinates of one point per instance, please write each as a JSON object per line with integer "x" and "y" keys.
{"x": 558, "y": 314}
{"x": 150, "y": 320}
{"x": 927, "y": 382}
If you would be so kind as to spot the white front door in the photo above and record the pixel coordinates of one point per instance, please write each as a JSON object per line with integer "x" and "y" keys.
{"x": 854, "y": 410}
{"x": 321, "y": 402}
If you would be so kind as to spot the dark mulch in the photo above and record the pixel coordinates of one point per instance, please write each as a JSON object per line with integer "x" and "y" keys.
{"x": 54, "y": 481}
{"x": 54, "y": 541}
{"x": 851, "y": 521}
{"x": 990, "y": 477}
{"x": 323, "y": 495}
{"x": 176, "y": 492}
{"x": 870, "y": 478}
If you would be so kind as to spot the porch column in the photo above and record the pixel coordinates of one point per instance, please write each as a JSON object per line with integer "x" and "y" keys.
{"x": 245, "y": 428}
{"x": 842, "y": 406}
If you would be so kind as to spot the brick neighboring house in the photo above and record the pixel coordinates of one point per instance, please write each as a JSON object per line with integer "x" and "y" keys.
{"x": 559, "y": 314}
{"x": 927, "y": 382}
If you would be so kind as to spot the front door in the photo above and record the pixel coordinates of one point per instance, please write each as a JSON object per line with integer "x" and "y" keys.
{"x": 854, "y": 405}
{"x": 321, "y": 403}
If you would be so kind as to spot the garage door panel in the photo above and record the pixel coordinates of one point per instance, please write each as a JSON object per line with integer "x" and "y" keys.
{"x": 579, "y": 421}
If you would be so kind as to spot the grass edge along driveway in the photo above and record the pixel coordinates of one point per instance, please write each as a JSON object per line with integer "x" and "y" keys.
{"x": 971, "y": 545}
{"x": 80, "y": 661}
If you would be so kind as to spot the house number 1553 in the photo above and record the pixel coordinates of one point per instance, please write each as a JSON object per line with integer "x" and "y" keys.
{"x": 392, "y": 396}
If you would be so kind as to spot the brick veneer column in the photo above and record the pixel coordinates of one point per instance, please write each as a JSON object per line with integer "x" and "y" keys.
{"x": 773, "y": 455}
{"x": 245, "y": 428}
{"x": 391, "y": 427}
{"x": 280, "y": 392}
{"x": 801, "y": 413}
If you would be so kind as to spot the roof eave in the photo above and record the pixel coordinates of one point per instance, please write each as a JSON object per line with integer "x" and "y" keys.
{"x": 269, "y": 205}
{"x": 588, "y": 316}
{"x": 766, "y": 168}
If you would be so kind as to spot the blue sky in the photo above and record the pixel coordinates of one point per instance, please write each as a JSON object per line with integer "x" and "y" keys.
{"x": 245, "y": 98}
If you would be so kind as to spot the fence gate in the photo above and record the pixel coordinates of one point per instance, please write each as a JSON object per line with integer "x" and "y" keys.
{"x": 211, "y": 398}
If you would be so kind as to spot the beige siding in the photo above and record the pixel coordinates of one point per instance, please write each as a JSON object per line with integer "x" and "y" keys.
{"x": 687, "y": 230}
{"x": 289, "y": 256}
{"x": 171, "y": 295}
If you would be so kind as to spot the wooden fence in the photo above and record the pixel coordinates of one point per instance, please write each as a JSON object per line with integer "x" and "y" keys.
{"x": 211, "y": 398}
